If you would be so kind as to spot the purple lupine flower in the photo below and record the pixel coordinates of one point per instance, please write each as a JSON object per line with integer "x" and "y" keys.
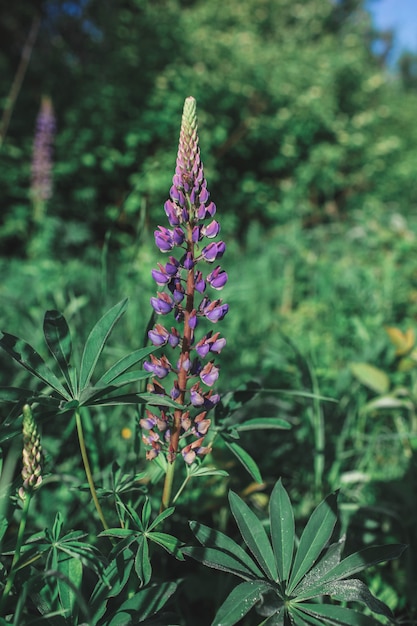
{"x": 163, "y": 304}
{"x": 217, "y": 278}
{"x": 209, "y": 374}
{"x": 192, "y": 231}
{"x": 41, "y": 184}
{"x": 159, "y": 335}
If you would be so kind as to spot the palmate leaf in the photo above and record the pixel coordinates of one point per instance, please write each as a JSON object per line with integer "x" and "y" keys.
{"x": 282, "y": 530}
{"x": 254, "y": 535}
{"x": 27, "y": 356}
{"x": 58, "y": 338}
{"x": 96, "y": 341}
{"x": 220, "y": 560}
{"x": 239, "y": 602}
{"x": 209, "y": 537}
{"x": 316, "y": 534}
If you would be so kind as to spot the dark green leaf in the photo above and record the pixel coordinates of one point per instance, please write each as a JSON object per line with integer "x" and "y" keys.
{"x": 210, "y": 537}
{"x": 239, "y": 602}
{"x": 282, "y": 530}
{"x": 27, "y": 356}
{"x": 330, "y": 559}
{"x": 217, "y": 559}
{"x": 143, "y": 562}
{"x": 58, "y": 338}
{"x": 96, "y": 341}
{"x": 354, "y": 590}
{"x": 161, "y": 517}
{"x": 245, "y": 459}
{"x": 359, "y": 561}
{"x": 254, "y": 535}
{"x": 334, "y": 614}
{"x": 72, "y": 572}
{"x": 16, "y": 394}
{"x": 316, "y": 534}
{"x": 117, "y": 574}
{"x": 170, "y": 543}
{"x": 142, "y": 605}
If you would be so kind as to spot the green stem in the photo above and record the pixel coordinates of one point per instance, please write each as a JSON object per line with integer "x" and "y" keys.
{"x": 87, "y": 468}
{"x": 16, "y": 557}
{"x": 166, "y": 494}
{"x": 181, "y": 489}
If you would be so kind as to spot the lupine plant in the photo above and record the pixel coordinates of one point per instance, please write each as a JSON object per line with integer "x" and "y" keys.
{"x": 286, "y": 581}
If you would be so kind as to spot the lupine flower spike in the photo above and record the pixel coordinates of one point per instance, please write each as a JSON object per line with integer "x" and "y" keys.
{"x": 182, "y": 282}
{"x": 32, "y": 454}
{"x": 41, "y": 185}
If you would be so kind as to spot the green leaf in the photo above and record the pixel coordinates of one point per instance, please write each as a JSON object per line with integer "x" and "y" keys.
{"x": 360, "y": 561}
{"x": 72, "y": 570}
{"x": 142, "y": 605}
{"x": 210, "y": 537}
{"x": 254, "y": 535}
{"x": 354, "y": 590}
{"x": 245, "y": 459}
{"x": 334, "y": 614}
{"x": 58, "y": 338}
{"x": 15, "y": 394}
{"x": 330, "y": 559}
{"x": 124, "y": 364}
{"x": 316, "y": 534}
{"x": 133, "y": 398}
{"x": 371, "y": 377}
{"x": 217, "y": 559}
{"x": 96, "y": 341}
{"x": 27, "y": 356}
{"x": 117, "y": 532}
{"x": 262, "y": 423}
{"x": 282, "y": 530}
{"x": 170, "y": 543}
{"x": 143, "y": 565}
{"x": 161, "y": 517}
{"x": 117, "y": 574}
{"x": 239, "y": 602}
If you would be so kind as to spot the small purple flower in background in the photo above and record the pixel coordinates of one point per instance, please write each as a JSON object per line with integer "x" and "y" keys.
{"x": 41, "y": 185}
{"x": 189, "y": 241}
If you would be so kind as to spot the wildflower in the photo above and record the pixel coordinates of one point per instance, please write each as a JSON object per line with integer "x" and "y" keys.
{"x": 190, "y": 241}
{"x": 41, "y": 185}
{"x": 32, "y": 454}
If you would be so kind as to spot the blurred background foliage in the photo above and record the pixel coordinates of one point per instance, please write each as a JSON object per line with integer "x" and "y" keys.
{"x": 309, "y": 145}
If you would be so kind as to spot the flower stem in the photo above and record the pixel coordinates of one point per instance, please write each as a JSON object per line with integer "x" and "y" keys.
{"x": 167, "y": 491}
{"x": 19, "y": 542}
{"x": 87, "y": 468}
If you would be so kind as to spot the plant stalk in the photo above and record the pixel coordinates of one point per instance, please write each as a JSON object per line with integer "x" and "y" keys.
{"x": 87, "y": 469}
{"x": 16, "y": 557}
